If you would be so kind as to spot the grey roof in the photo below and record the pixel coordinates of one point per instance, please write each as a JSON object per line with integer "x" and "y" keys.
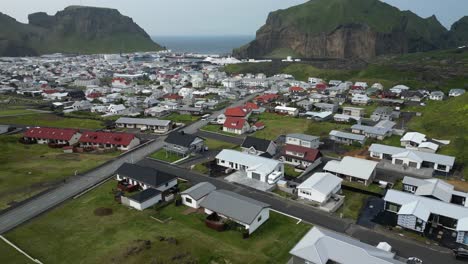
{"x": 253, "y": 162}
{"x": 381, "y": 128}
{"x": 433, "y": 187}
{"x": 150, "y": 176}
{"x": 358, "y": 168}
{"x": 322, "y": 182}
{"x": 145, "y": 195}
{"x": 303, "y": 137}
{"x": 143, "y": 121}
{"x": 425, "y": 156}
{"x": 200, "y": 190}
{"x": 321, "y": 246}
{"x": 352, "y": 136}
{"x": 257, "y": 143}
{"x": 233, "y": 205}
{"x": 180, "y": 138}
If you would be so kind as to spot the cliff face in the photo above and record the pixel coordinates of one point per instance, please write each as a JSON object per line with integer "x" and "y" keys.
{"x": 344, "y": 29}
{"x": 74, "y": 30}
{"x": 459, "y": 32}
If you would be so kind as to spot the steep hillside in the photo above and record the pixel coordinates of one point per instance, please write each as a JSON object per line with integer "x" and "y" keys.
{"x": 73, "y": 30}
{"x": 344, "y": 29}
{"x": 459, "y": 32}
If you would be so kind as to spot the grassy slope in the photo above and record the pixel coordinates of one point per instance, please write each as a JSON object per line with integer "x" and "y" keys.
{"x": 25, "y": 167}
{"x": 51, "y": 120}
{"x": 72, "y": 230}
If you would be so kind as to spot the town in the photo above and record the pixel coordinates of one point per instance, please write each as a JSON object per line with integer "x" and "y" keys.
{"x": 169, "y": 144}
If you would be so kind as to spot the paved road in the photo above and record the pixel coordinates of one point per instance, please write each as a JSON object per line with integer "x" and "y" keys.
{"x": 403, "y": 247}
{"x": 76, "y": 185}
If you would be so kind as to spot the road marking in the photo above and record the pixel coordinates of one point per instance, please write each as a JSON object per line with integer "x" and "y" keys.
{"x": 288, "y": 215}
{"x": 19, "y": 250}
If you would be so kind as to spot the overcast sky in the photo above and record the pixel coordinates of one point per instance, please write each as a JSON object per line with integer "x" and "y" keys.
{"x": 214, "y": 17}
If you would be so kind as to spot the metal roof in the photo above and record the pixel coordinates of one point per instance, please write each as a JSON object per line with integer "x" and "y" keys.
{"x": 233, "y": 205}
{"x": 146, "y": 175}
{"x": 145, "y": 195}
{"x": 200, "y": 190}
{"x": 425, "y": 156}
{"x": 258, "y": 163}
{"x": 143, "y": 121}
{"x": 352, "y": 136}
{"x": 321, "y": 246}
{"x": 302, "y": 137}
{"x": 322, "y": 182}
{"x": 358, "y": 168}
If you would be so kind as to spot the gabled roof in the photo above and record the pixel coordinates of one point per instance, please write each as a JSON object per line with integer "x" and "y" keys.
{"x": 322, "y": 182}
{"x": 234, "y": 122}
{"x": 200, "y": 190}
{"x": 431, "y": 187}
{"x": 253, "y": 162}
{"x": 180, "y": 139}
{"x": 347, "y": 135}
{"x": 123, "y": 139}
{"x": 143, "y": 121}
{"x": 50, "y": 133}
{"x": 145, "y": 195}
{"x": 257, "y": 143}
{"x": 233, "y": 205}
{"x": 414, "y": 137}
{"x": 310, "y": 154}
{"x": 302, "y": 137}
{"x": 321, "y": 246}
{"x": 358, "y": 168}
{"x": 236, "y": 112}
{"x": 150, "y": 176}
{"x": 425, "y": 156}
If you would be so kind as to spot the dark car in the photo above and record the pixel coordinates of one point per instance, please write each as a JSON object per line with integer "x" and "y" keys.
{"x": 461, "y": 253}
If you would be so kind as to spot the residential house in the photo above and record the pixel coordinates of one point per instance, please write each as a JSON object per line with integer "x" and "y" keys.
{"x": 398, "y": 89}
{"x": 456, "y": 92}
{"x": 108, "y": 140}
{"x": 319, "y": 116}
{"x": 412, "y": 140}
{"x": 353, "y": 169}
{"x": 255, "y": 167}
{"x": 243, "y": 210}
{"x": 183, "y": 144}
{"x": 303, "y": 140}
{"x": 259, "y": 147}
{"x": 435, "y": 189}
{"x": 380, "y": 131}
{"x": 345, "y": 118}
{"x": 319, "y": 188}
{"x": 292, "y": 111}
{"x": 115, "y": 109}
{"x": 382, "y": 113}
{"x": 354, "y": 111}
{"x": 83, "y": 105}
{"x": 324, "y": 107}
{"x": 360, "y": 99}
{"x": 46, "y": 135}
{"x": 266, "y": 98}
{"x": 364, "y": 85}
{"x": 346, "y": 138}
{"x": 321, "y": 246}
{"x": 317, "y": 98}
{"x": 236, "y": 125}
{"x": 156, "y": 111}
{"x": 305, "y": 104}
{"x": 437, "y": 96}
{"x": 240, "y": 112}
{"x": 412, "y": 96}
{"x": 156, "y": 125}
{"x": 418, "y": 213}
{"x": 302, "y": 157}
{"x": 155, "y": 185}
{"x": 193, "y": 196}
{"x": 412, "y": 158}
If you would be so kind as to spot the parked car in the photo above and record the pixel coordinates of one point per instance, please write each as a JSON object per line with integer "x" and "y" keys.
{"x": 414, "y": 260}
{"x": 461, "y": 253}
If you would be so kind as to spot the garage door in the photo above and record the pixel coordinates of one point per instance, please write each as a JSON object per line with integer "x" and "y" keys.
{"x": 399, "y": 162}
{"x": 255, "y": 176}
{"x": 413, "y": 164}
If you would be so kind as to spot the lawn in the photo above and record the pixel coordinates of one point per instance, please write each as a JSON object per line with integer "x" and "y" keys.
{"x": 289, "y": 171}
{"x": 371, "y": 188}
{"x": 178, "y": 118}
{"x": 276, "y": 125}
{"x": 163, "y": 155}
{"x": 72, "y": 233}
{"x": 51, "y": 120}
{"x": 10, "y": 255}
{"x": 14, "y": 111}
{"x": 214, "y": 144}
{"x": 352, "y": 205}
{"x": 29, "y": 169}
{"x": 217, "y": 129}
{"x": 201, "y": 168}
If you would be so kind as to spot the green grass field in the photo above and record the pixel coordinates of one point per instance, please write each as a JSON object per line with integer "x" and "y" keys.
{"x": 18, "y": 111}
{"x": 352, "y": 205}
{"x": 28, "y": 169}
{"x": 50, "y": 120}
{"x": 214, "y": 144}
{"x": 289, "y": 171}
{"x": 178, "y": 118}
{"x": 72, "y": 233}
{"x": 165, "y": 156}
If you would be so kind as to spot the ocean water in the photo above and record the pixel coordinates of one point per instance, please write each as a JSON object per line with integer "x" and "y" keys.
{"x": 221, "y": 45}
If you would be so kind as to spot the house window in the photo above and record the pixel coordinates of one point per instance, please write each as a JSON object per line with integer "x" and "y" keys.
{"x": 259, "y": 218}
{"x": 188, "y": 200}
{"x": 167, "y": 184}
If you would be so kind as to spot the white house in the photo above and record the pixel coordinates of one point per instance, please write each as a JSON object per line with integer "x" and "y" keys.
{"x": 456, "y": 92}
{"x": 255, "y": 167}
{"x": 143, "y": 199}
{"x": 353, "y": 169}
{"x": 156, "y": 125}
{"x": 303, "y": 140}
{"x": 319, "y": 187}
{"x": 245, "y": 211}
{"x": 292, "y": 111}
{"x": 437, "y": 96}
{"x": 116, "y": 109}
{"x": 412, "y": 158}
{"x": 193, "y": 196}
{"x": 236, "y": 125}
{"x": 361, "y": 99}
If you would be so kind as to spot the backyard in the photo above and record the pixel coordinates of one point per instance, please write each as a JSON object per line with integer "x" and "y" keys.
{"x": 29, "y": 169}
{"x": 130, "y": 236}
{"x": 166, "y": 156}
{"x": 51, "y": 120}
{"x": 178, "y": 118}
{"x": 352, "y": 205}
{"x": 214, "y": 144}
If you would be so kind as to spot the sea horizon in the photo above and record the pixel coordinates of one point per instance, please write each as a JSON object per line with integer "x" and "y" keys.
{"x": 203, "y": 44}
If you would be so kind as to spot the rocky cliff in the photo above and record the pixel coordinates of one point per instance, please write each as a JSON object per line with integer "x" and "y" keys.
{"x": 73, "y": 30}
{"x": 344, "y": 29}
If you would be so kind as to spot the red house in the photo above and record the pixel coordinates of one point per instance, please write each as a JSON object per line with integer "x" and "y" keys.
{"x": 301, "y": 156}
{"x": 46, "y": 135}
{"x": 236, "y": 125}
{"x": 266, "y": 98}
{"x": 108, "y": 140}
{"x": 237, "y": 112}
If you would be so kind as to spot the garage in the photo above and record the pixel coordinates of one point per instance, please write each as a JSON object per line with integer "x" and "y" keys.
{"x": 256, "y": 176}
{"x": 398, "y": 162}
{"x": 413, "y": 164}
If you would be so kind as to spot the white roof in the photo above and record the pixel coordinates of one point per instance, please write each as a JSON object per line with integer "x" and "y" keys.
{"x": 285, "y": 108}
{"x": 433, "y": 187}
{"x": 352, "y": 136}
{"x": 320, "y": 246}
{"x": 319, "y": 114}
{"x": 414, "y": 137}
{"x": 358, "y": 168}
{"x": 253, "y": 162}
{"x": 425, "y": 156}
{"x": 323, "y": 183}
{"x": 429, "y": 145}
{"x": 431, "y": 205}
{"x": 415, "y": 208}
{"x": 143, "y": 121}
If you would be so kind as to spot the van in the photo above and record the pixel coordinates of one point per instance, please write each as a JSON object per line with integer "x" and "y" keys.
{"x": 205, "y": 117}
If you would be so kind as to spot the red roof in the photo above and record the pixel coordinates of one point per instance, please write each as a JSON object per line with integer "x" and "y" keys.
{"x": 172, "y": 96}
{"x": 251, "y": 106}
{"x": 357, "y": 87}
{"x": 296, "y": 89}
{"x": 234, "y": 122}
{"x": 236, "y": 112}
{"x": 50, "y": 133}
{"x": 49, "y": 91}
{"x": 310, "y": 154}
{"x": 321, "y": 86}
{"x": 123, "y": 139}
{"x": 94, "y": 95}
{"x": 266, "y": 98}
{"x": 259, "y": 124}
